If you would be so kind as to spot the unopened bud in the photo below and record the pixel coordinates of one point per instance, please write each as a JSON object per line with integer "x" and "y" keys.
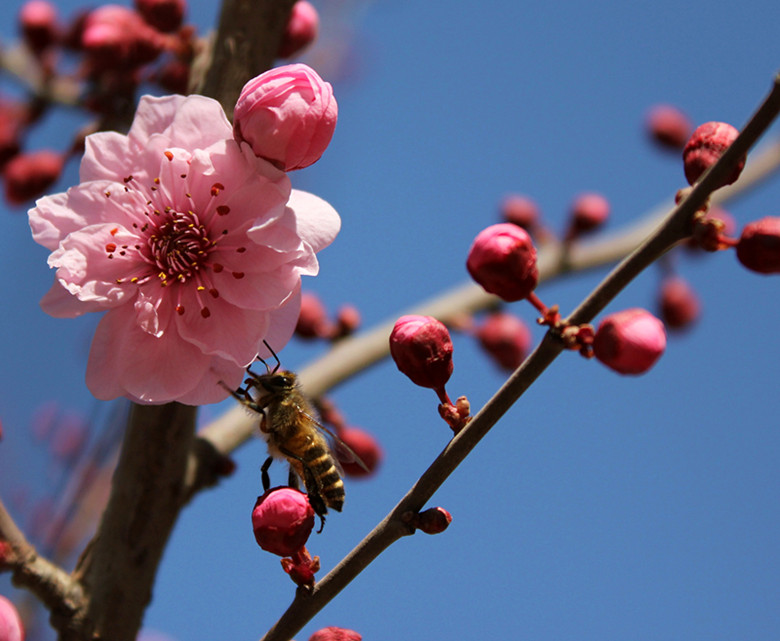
{"x": 506, "y": 338}
{"x": 422, "y": 349}
{"x": 287, "y": 115}
{"x": 705, "y": 147}
{"x": 11, "y": 628}
{"x": 588, "y": 212}
{"x": 28, "y": 176}
{"x": 521, "y": 211}
{"x": 347, "y": 321}
{"x": 668, "y": 126}
{"x": 758, "y": 248}
{"x": 365, "y": 447}
{"x": 678, "y": 302}
{"x": 313, "y": 318}
{"x": 502, "y": 260}
{"x": 163, "y": 15}
{"x": 630, "y": 341}
{"x": 282, "y": 520}
{"x": 433, "y": 521}
{"x": 38, "y": 23}
{"x": 302, "y": 29}
{"x": 116, "y": 38}
{"x": 333, "y": 633}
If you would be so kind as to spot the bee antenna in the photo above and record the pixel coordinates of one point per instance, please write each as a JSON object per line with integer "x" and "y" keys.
{"x": 276, "y": 358}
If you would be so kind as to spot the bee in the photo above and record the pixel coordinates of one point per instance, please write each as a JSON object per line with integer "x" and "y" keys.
{"x": 294, "y": 434}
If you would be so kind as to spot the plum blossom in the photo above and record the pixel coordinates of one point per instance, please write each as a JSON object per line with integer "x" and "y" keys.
{"x": 192, "y": 245}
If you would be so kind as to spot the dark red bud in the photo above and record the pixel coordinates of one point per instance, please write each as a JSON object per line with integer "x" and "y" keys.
{"x": 302, "y": 29}
{"x": 433, "y": 521}
{"x": 422, "y": 349}
{"x": 506, "y": 338}
{"x": 502, "y": 260}
{"x": 758, "y": 248}
{"x": 365, "y": 446}
{"x": 678, "y": 302}
{"x": 588, "y": 212}
{"x": 335, "y": 634}
{"x": 705, "y": 147}
{"x": 520, "y": 211}
{"x": 29, "y": 175}
{"x": 668, "y": 126}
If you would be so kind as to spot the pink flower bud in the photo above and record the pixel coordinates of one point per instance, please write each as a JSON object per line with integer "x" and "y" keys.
{"x": 163, "y": 15}
{"x": 28, "y": 176}
{"x": 287, "y": 115}
{"x": 503, "y": 260}
{"x": 313, "y": 318}
{"x": 422, "y": 349}
{"x": 335, "y": 634}
{"x": 630, "y": 341}
{"x": 10, "y": 623}
{"x": 506, "y": 338}
{"x": 668, "y": 126}
{"x": 678, "y": 302}
{"x": 282, "y": 520}
{"x": 758, "y": 248}
{"x": 433, "y": 521}
{"x": 520, "y": 211}
{"x": 347, "y": 321}
{"x": 588, "y": 212}
{"x": 365, "y": 446}
{"x": 115, "y": 37}
{"x": 704, "y": 149}
{"x": 301, "y": 30}
{"x": 38, "y": 23}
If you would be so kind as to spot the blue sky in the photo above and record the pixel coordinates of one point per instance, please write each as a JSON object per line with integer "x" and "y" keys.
{"x": 601, "y": 507}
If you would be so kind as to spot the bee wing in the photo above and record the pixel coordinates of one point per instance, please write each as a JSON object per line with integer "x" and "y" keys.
{"x": 342, "y": 452}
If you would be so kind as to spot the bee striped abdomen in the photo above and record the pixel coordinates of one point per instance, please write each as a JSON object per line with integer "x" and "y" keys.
{"x": 323, "y": 468}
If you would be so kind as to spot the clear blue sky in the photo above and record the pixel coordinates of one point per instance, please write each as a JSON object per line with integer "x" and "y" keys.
{"x": 601, "y": 507}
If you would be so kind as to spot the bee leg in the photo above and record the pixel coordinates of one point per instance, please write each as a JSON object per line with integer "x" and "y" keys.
{"x": 313, "y": 489}
{"x": 292, "y": 479}
{"x": 264, "y": 473}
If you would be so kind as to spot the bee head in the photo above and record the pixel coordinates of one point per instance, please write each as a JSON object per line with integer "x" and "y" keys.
{"x": 279, "y": 382}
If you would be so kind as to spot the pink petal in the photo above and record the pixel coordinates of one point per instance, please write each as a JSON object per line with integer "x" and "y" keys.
{"x": 105, "y": 157}
{"x": 126, "y": 361}
{"x": 230, "y": 332}
{"x": 318, "y": 222}
{"x": 282, "y": 323}
{"x": 209, "y": 389}
{"x": 60, "y": 303}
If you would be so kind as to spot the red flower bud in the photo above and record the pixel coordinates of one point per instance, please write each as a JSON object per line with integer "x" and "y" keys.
{"x": 704, "y": 149}
{"x": 163, "y": 15}
{"x": 38, "y": 23}
{"x": 758, "y": 248}
{"x": 115, "y": 37}
{"x": 668, "y": 126}
{"x": 588, "y": 212}
{"x": 630, "y": 341}
{"x": 11, "y": 628}
{"x": 335, "y": 634}
{"x": 678, "y": 302}
{"x": 301, "y": 30}
{"x": 422, "y": 349}
{"x": 520, "y": 211}
{"x": 506, "y": 338}
{"x": 282, "y": 520}
{"x": 365, "y": 446}
{"x": 28, "y": 176}
{"x": 347, "y": 321}
{"x": 433, "y": 521}
{"x": 503, "y": 260}
{"x": 313, "y": 319}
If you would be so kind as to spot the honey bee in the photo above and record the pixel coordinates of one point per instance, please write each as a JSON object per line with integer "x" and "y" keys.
{"x": 293, "y": 433}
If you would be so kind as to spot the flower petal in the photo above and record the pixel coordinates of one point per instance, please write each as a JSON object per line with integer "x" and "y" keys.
{"x": 317, "y": 221}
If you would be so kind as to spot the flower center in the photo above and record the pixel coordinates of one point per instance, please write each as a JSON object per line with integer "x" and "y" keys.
{"x": 179, "y": 246}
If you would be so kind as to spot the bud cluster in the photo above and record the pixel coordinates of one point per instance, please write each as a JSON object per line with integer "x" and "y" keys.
{"x": 313, "y": 320}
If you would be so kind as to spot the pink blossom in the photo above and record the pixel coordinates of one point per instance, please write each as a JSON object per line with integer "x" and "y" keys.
{"x": 287, "y": 115}
{"x": 193, "y": 246}
{"x": 10, "y": 624}
{"x": 422, "y": 349}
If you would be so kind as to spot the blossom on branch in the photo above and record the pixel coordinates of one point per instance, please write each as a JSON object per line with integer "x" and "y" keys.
{"x": 192, "y": 245}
